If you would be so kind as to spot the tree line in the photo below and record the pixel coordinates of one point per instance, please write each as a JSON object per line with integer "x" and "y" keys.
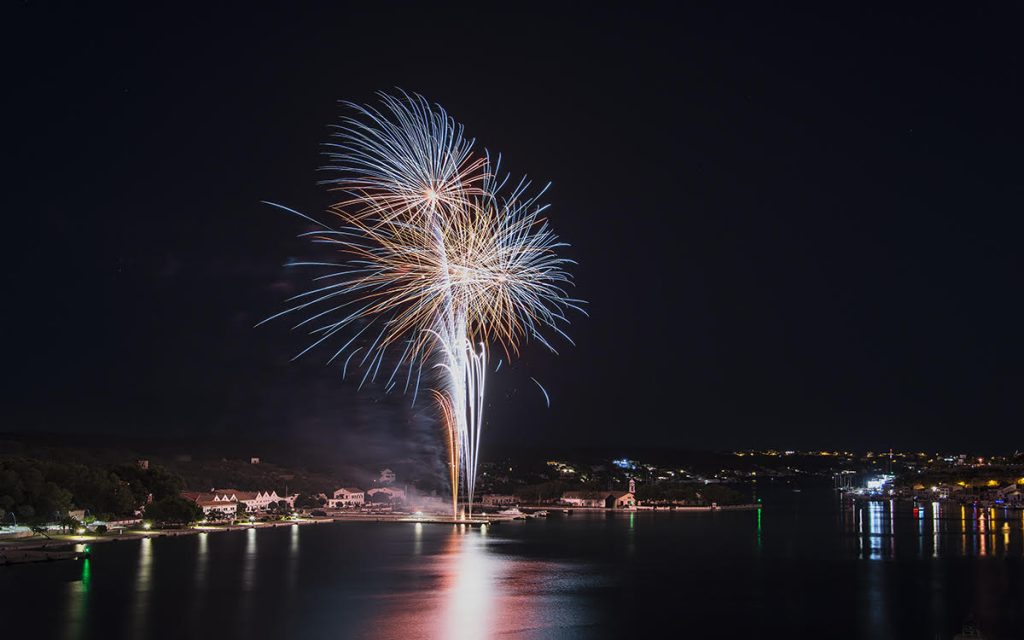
{"x": 33, "y": 490}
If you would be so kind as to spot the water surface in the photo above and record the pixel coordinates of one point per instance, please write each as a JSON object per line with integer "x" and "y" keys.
{"x": 803, "y": 567}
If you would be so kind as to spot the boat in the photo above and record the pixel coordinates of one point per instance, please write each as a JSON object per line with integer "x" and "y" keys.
{"x": 513, "y": 513}
{"x": 538, "y": 514}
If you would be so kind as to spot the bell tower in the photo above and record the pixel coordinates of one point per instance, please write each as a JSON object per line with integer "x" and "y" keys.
{"x": 632, "y": 486}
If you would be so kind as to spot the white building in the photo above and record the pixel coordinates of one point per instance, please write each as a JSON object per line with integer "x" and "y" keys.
{"x": 600, "y": 499}
{"x": 498, "y": 500}
{"x": 218, "y": 506}
{"x": 392, "y": 494}
{"x": 346, "y": 497}
{"x": 253, "y": 500}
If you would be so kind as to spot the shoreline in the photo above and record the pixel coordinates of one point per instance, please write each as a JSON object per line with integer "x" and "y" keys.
{"x": 39, "y": 548}
{"x": 61, "y": 546}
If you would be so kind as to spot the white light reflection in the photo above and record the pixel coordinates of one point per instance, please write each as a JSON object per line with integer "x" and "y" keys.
{"x": 860, "y": 531}
{"x": 143, "y": 585}
{"x": 293, "y": 558}
{"x": 249, "y": 564}
{"x": 202, "y": 559}
{"x": 471, "y": 594}
{"x": 891, "y": 540}
{"x": 875, "y": 530}
{"x": 248, "y": 582}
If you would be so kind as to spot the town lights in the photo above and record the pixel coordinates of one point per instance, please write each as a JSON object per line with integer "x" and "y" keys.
{"x": 147, "y": 525}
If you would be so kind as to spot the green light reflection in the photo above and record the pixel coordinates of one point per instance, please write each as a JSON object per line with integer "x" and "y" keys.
{"x": 86, "y": 574}
{"x": 759, "y": 529}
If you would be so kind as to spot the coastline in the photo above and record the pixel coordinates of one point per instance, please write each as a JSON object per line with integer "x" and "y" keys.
{"x": 65, "y": 546}
{"x": 75, "y": 546}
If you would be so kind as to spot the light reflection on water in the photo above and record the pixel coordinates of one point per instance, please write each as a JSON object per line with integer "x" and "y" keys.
{"x": 143, "y": 586}
{"x": 479, "y": 593}
{"x": 249, "y": 562}
{"x": 468, "y": 587}
{"x": 885, "y": 529}
{"x": 293, "y": 557}
{"x": 202, "y": 560}
{"x": 732, "y": 574}
{"x": 78, "y": 600}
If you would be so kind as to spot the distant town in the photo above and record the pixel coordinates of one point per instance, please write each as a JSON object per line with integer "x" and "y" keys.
{"x": 80, "y": 493}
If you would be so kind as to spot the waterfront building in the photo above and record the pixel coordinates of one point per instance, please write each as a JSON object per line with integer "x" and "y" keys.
{"x": 252, "y": 500}
{"x": 218, "y": 506}
{"x": 249, "y": 500}
{"x": 385, "y": 494}
{"x": 346, "y": 497}
{"x": 498, "y": 500}
{"x": 1011, "y": 495}
{"x": 601, "y": 499}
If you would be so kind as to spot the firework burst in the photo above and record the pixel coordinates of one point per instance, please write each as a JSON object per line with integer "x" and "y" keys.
{"x": 440, "y": 260}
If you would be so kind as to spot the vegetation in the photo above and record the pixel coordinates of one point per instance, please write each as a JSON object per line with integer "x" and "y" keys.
{"x": 216, "y": 516}
{"x": 308, "y": 501}
{"x": 36, "y": 490}
{"x": 219, "y": 473}
{"x": 280, "y": 507}
{"x": 173, "y": 510}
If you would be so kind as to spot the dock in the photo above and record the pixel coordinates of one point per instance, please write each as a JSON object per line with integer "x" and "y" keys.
{"x": 25, "y": 556}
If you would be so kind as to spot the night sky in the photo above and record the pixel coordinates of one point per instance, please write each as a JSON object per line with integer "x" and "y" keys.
{"x": 798, "y": 230}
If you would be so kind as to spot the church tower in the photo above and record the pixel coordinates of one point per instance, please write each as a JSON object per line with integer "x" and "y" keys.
{"x": 632, "y": 486}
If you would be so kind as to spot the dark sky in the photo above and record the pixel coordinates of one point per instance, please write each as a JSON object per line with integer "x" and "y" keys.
{"x": 794, "y": 229}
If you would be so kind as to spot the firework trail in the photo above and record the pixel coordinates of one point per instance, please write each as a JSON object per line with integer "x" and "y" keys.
{"x": 440, "y": 261}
